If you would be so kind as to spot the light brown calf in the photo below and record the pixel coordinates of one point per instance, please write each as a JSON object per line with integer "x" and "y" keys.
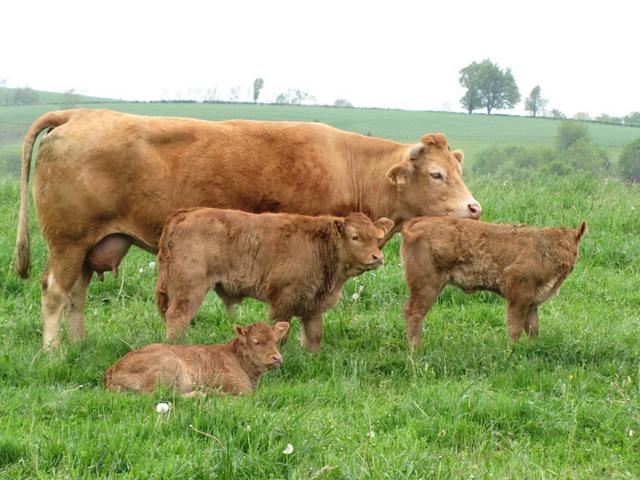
{"x": 297, "y": 264}
{"x": 234, "y": 367}
{"x": 526, "y": 265}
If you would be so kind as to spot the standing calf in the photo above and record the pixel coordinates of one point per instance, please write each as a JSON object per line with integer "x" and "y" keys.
{"x": 234, "y": 367}
{"x": 297, "y": 264}
{"x": 525, "y": 265}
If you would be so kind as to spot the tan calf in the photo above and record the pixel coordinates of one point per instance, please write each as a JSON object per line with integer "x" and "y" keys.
{"x": 526, "y": 265}
{"x": 234, "y": 367}
{"x": 295, "y": 263}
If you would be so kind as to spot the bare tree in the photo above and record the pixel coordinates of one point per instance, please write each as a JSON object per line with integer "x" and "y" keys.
{"x": 3, "y": 85}
{"x": 69, "y": 98}
{"x": 234, "y": 94}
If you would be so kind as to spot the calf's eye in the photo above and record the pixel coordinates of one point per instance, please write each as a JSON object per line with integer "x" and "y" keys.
{"x": 354, "y": 237}
{"x": 436, "y": 175}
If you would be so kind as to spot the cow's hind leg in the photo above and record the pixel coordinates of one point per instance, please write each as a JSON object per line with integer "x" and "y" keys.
{"x": 77, "y": 302}
{"x": 531, "y": 324}
{"x": 63, "y": 269}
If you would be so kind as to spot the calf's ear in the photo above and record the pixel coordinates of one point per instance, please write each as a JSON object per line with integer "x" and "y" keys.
{"x": 383, "y": 226}
{"x": 339, "y": 224}
{"x": 459, "y": 155}
{"x": 398, "y": 174}
{"x": 240, "y": 331}
{"x": 280, "y": 329}
{"x": 581, "y": 230}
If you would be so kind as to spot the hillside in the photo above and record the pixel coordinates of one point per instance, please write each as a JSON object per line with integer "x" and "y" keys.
{"x": 471, "y": 133}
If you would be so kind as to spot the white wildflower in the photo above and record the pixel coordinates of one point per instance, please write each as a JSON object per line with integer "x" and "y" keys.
{"x": 631, "y": 432}
{"x": 152, "y": 264}
{"x": 163, "y": 407}
{"x": 288, "y": 450}
{"x": 371, "y": 434}
{"x": 141, "y": 270}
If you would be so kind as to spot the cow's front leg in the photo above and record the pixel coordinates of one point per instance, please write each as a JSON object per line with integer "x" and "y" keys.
{"x": 311, "y": 332}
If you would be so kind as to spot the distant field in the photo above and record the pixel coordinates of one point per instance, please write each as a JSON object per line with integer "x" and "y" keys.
{"x": 566, "y": 406}
{"x": 471, "y": 133}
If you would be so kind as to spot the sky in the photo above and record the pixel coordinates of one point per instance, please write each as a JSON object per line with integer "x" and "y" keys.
{"x": 400, "y": 54}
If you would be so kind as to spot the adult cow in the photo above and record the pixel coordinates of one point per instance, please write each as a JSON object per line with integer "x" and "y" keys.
{"x": 105, "y": 179}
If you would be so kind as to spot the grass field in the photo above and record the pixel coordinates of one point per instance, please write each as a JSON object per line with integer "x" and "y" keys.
{"x": 464, "y": 406}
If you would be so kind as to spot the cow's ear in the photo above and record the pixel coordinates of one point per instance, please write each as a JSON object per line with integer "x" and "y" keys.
{"x": 399, "y": 173}
{"x": 240, "y": 331}
{"x": 339, "y": 224}
{"x": 280, "y": 329}
{"x": 581, "y": 230}
{"x": 459, "y": 155}
{"x": 383, "y": 226}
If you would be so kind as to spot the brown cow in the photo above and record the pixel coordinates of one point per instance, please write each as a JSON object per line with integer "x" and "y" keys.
{"x": 101, "y": 173}
{"x": 295, "y": 263}
{"x": 234, "y": 367}
{"x": 526, "y": 265}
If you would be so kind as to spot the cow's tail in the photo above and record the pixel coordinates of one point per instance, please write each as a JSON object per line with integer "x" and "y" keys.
{"x": 23, "y": 252}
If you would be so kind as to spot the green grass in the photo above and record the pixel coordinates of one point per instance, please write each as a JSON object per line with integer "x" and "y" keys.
{"x": 464, "y": 406}
{"x": 471, "y": 133}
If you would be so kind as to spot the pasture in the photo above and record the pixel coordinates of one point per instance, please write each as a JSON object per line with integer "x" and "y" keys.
{"x": 465, "y": 405}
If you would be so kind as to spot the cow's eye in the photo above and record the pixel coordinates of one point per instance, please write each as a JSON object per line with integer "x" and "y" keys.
{"x": 436, "y": 176}
{"x": 355, "y": 237}
{"x": 256, "y": 342}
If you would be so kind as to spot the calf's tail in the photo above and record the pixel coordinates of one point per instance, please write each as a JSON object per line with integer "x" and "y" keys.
{"x": 23, "y": 251}
{"x": 108, "y": 378}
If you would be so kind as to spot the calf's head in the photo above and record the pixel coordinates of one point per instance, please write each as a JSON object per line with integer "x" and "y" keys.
{"x": 360, "y": 238}
{"x": 259, "y": 343}
{"x": 429, "y": 181}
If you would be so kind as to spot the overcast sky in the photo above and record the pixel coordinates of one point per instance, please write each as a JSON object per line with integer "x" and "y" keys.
{"x": 584, "y": 55}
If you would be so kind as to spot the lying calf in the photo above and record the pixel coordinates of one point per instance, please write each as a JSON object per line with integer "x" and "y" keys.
{"x": 234, "y": 367}
{"x": 296, "y": 264}
{"x": 525, "y": 265}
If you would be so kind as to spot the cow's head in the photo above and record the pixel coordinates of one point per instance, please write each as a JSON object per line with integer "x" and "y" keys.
{"x": 429, "y": 181}
{"x": 360, "y": 239}
{"x": 259, "y": 343}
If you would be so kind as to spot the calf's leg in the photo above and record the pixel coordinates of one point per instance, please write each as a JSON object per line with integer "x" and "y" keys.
{"x": 183, "y": 306}
{"x": 531, "y": 324}
{"x": 516, "y": 319}
{"x": 419, "y": 302}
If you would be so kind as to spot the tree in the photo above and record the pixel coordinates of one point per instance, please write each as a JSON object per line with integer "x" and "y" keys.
{"x": 234, "y": 94}
{"x": 555, "y": 113}
{"x": 534, "y": 102}
{"x": 69, "y": 98}
{"x": 471, "y": 100}
{"x": 342, "y": 102}
{"x": 295, "y": 97}
{"x": 3, "y": 85}
{"x": 630, "y": 162}
{"x": 258, "y": 83}
{"x": 488, "y": 86}
{"x": 24, "y": 96}
{"x": 569, "y": 133}
{"x": 633, "y": 118}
